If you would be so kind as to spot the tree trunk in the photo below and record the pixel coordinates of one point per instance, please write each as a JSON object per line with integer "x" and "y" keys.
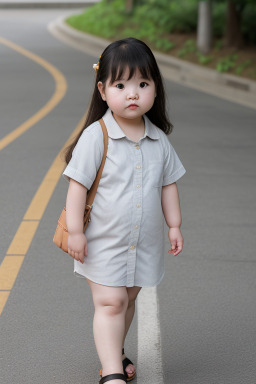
{"x": 204, "y": 29}
{"x": 128, "y": 6}
{"x": 233, "y": 37}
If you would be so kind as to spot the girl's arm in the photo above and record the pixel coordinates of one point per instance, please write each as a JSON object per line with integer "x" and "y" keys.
{"x": 172, "y": 214}
{"x": 75, "y": 205}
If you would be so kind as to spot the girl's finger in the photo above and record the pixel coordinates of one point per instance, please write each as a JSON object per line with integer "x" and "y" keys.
{"x": 179, "y": 249}
{"x": 180, "y": 246}
{"x": 81, "y": 257}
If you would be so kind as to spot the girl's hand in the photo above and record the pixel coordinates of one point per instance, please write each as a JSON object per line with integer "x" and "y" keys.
{"x": 77, "y": 246}
{"x": 176, "y": 240}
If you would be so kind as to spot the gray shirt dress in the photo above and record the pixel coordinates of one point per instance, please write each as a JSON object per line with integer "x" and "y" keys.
{"x": 126, "y": 232}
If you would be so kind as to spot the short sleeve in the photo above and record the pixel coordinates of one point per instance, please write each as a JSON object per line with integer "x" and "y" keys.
{"x": 173, "y": 168}
{"x": 86, "y": 157}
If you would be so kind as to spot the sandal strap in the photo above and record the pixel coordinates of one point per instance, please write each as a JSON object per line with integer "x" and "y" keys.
{"x": 113, "y": 376}
{"x": 126, "y": 362}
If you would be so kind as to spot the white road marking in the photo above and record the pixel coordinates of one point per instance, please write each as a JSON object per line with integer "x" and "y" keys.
{"x": 149, "y": 369}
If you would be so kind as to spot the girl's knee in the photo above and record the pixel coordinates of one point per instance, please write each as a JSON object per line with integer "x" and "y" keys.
{"x": 112, "y": 300}
{"x": 131, "y": 302}
{"x": 115, "y": 306}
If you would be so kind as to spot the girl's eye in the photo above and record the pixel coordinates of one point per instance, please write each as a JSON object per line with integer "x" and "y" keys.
{"x": 120, "y": 86}
{"x": 143, "y": 84}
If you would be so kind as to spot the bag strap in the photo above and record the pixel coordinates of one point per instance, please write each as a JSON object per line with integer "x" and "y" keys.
{"x": 94, "y": 187}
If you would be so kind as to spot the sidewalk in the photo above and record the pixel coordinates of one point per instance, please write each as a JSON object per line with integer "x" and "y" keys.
{"x": 229, "y": 87}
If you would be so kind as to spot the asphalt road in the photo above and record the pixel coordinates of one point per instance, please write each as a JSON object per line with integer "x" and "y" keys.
{"x": 207, "y": 298}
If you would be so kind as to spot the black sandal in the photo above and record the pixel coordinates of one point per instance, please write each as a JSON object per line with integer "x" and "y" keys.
{"x": 113, "y": 376}
{"x": 126, "y": 362}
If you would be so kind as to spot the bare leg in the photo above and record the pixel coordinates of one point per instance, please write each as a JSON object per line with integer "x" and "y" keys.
{"x": 109, "y": 326}
{"x": 132, "y": 295}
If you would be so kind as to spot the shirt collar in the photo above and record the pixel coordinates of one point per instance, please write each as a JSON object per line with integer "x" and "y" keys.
{"x": 115, "y": 132}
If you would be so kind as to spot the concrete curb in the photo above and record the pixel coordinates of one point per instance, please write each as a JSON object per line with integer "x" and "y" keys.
{"x": 229, "y": 87}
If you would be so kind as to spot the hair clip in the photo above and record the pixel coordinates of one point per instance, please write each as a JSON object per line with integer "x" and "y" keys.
{"x": 96, "y": 66}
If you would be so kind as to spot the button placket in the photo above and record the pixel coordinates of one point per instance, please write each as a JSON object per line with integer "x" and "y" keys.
{"x": 136, "y": 215}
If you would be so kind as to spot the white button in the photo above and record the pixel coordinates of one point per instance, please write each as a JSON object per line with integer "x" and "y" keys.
{"x": 136, "y": 227}
{"x": 138, "y": 166}
{"x": 138, "y": 205}
{"x": 132, "y": 247}
{"x": 138, "y": 186}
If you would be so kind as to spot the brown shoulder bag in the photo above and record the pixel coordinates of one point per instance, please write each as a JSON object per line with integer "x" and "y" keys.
{"x": 61, "y": 234}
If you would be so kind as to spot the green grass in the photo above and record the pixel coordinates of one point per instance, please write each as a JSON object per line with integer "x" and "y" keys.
{"x": 226, "y": 63}
{"x": 149, "y": 23}
{"x": 202, "y": 59}
{"x": 240, "y": 68}
{"x": 188, "y": 47}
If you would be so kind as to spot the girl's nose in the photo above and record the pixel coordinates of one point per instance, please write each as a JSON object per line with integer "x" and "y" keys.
{"x": 133, "y": 96}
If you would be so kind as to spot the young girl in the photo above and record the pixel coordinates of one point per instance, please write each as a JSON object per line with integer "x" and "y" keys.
{"x": 123, "y": 247}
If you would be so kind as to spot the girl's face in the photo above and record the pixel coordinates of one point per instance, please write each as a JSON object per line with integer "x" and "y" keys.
{"x": 129, "y": 99}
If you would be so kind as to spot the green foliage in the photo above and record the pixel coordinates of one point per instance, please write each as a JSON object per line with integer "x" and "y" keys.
{"x": 170, "y": 15}
{"x": 218, "y": 45}
{"x": 239, "y": 69}
{"x": 99, "y": 19}
{"x": 247, "y": 10}
{"x": 188, "y": 47}
{"x": 203, "y": 59}
{"x": 164, "y": 45}
{"x": 154, "y": 20}
{"x": 219, "y": 18}
{"x": 148, "y": 33}
{"x": 226, "y": 63}
{"x": 248, "y": 23}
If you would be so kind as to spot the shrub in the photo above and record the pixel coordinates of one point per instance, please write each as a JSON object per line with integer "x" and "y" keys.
{"x": 154, "y": 20}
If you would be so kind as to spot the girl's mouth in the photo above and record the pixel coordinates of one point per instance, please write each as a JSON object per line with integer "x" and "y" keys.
{"x": 133, "y": 106}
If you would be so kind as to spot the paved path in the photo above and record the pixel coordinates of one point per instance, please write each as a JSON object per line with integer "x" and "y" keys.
{"x": 46, "y": 3}
{"x": 207, "y": 299}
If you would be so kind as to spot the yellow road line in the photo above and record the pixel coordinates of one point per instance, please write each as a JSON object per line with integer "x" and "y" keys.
{"x": 3, "y": 298}
{"x": 22, "y": 238}
{"x": 60, "y": 90}
{"x": 12, "y": 262}
{"x": 9, "y": 271}
{"x": 21, "y": 242}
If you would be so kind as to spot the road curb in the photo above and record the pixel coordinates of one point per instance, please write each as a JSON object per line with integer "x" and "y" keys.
{"x": 229, "y": 87}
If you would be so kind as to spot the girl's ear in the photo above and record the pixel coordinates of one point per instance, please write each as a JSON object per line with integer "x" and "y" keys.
{"x": 101, "y": 90}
